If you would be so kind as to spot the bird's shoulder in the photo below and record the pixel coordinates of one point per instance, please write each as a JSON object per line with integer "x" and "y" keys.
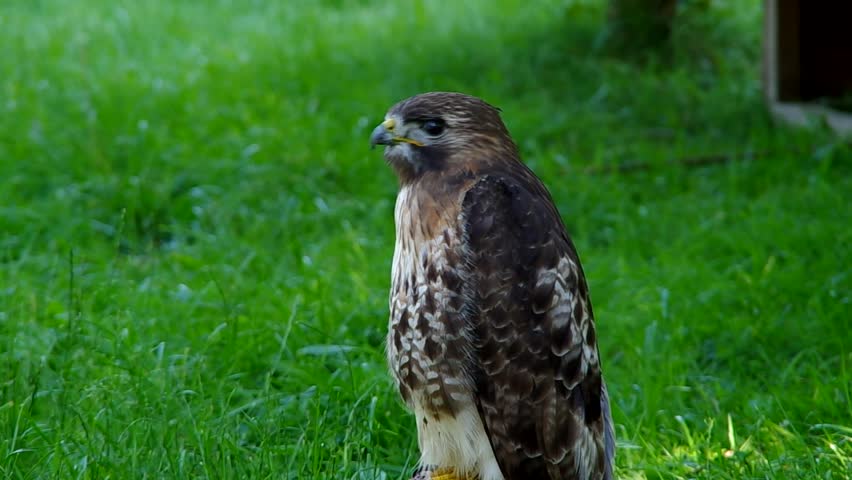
{"x": 510, "y": 206}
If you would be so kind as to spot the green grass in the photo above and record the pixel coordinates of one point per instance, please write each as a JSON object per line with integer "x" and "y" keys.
{"x": 195, "y": 240}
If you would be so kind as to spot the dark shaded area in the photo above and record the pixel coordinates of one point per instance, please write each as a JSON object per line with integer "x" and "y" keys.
{"x": 637, "y": 25}
{"x": 815, "y": 51}
{"x": 825, "y": 49}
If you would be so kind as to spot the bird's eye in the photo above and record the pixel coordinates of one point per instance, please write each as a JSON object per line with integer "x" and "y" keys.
{"x": 433, "y": 127}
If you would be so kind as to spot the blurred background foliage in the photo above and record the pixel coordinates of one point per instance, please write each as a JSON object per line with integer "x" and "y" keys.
{"x": 195, "y": 240}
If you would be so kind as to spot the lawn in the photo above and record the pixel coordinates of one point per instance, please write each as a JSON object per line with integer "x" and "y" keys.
{"x": 195, "y": 240}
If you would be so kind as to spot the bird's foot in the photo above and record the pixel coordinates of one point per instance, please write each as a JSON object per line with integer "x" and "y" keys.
{"x": 445, "y": 474}
{"x": 438, "y": 474}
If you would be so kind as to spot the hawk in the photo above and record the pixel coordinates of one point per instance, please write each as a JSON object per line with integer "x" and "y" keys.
{"x": 491, "y": 338}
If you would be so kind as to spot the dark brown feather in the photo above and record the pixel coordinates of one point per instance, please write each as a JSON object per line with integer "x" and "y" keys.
{"x": 541, "y": 397}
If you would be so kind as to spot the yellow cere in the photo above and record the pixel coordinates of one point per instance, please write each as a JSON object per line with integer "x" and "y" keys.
{"x": 389, "y": 125}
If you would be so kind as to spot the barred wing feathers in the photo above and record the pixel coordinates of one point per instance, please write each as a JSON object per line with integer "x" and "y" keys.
{"x": 539, "y": 387}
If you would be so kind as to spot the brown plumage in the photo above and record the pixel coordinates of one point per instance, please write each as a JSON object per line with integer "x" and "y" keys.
{"x": 492, "y": 337}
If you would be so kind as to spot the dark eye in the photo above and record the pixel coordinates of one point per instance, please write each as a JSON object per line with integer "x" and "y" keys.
{"x": 433, "y": 127}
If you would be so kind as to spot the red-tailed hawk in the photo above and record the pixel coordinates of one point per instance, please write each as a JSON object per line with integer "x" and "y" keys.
{"x": 492, "y": 338}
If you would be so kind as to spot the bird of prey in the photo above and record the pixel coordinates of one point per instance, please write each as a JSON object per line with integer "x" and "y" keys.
{"x": 492, "y": 338}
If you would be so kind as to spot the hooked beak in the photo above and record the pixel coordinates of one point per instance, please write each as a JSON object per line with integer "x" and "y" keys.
{"x": 383, "y": 135}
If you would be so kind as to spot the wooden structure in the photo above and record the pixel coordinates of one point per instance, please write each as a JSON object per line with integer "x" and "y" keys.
{"x": 807, "y": 61}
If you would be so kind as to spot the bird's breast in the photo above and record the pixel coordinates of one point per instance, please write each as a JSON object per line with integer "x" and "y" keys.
{"x": 428, "y": 339}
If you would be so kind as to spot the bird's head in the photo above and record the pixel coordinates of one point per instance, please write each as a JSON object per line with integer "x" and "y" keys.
{"x": 441, "y": 130}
